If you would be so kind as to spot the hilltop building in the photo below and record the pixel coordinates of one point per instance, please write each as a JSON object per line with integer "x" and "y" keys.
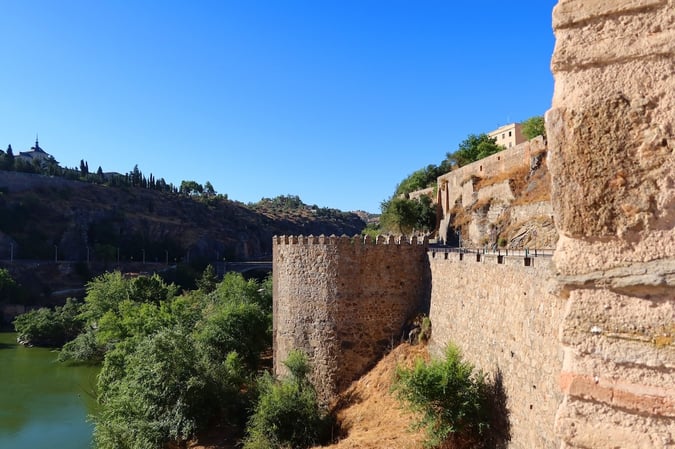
{"x": 35, "y": 154}
{"x": 508, "y": 135}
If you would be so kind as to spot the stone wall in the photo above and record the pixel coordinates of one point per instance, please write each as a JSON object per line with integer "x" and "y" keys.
{"x": 457, "y": 186}
{"x": 522, "y": 212}
{"x": 450, "y": 184}
{"x": 344, "y": 301}
{"x": 612, "y": 162}
{"x": 504, "y": 318}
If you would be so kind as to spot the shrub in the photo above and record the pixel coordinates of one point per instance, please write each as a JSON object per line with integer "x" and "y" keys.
{"x": 287, "y": 413}
{"x": 51, "y": 328}
{"x": 450, "y": 396}
{"x": 151, "y": 393}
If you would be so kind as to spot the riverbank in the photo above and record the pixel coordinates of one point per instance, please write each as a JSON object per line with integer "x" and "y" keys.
{"x": 45, "y": 403}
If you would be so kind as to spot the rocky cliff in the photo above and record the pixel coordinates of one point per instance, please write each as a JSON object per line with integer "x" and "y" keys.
{"x": 44, "y": 218}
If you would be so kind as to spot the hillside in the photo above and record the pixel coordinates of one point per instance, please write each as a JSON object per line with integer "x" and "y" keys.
{"x": 43, "y": 218}
{"x": 38, "y": 212}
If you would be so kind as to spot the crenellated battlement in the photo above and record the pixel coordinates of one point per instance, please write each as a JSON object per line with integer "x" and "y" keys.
{"x": 345, "y": 240}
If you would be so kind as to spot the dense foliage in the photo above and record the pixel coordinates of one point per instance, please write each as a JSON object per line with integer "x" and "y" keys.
{"x": 287, "y": 414}
{"x": 451, "y": 397}
{"x": 171, "y": 363}
{"x": 9, "y": 289}
{"x": 473, "y": 148}
{"x": 293, "y": 204}
{"x": 421, "y": 179}
{"x": 50, "y": 328}
{"x": 401, "y": 215}
{"x": 533, "y": 127}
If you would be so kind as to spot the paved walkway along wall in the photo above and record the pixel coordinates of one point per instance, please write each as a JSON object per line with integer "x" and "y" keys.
{"x": 504, "y": 318}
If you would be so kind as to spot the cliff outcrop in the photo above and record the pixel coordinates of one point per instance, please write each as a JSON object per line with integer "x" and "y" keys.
{"x": 503, "y": 200}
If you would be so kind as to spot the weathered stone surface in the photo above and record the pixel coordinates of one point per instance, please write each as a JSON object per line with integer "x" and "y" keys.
{"x": 612, "y": 161}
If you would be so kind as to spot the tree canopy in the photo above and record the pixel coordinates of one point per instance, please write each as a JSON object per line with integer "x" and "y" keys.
{"x": 473, "y": 148}
{"x": 533, "y": 127}
{"x": 401, "y": 215}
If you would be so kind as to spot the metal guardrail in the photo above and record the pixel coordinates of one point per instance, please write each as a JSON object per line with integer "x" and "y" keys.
{"x": 526, "y": 252}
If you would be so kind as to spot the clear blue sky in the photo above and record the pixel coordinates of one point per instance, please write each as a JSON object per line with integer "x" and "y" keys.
{"x": 334, "y": 101}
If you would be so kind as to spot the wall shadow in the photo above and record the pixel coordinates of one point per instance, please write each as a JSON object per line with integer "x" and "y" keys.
{"x": 498, "y": 435}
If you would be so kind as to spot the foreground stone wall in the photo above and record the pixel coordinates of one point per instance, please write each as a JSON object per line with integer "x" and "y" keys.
{"x": 344, "y": 301}
{"x": 612, "y": 162}
{"x": 504, "y": 318}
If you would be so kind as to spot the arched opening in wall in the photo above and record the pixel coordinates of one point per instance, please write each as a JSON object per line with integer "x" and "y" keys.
{"x": 480, "y": 168}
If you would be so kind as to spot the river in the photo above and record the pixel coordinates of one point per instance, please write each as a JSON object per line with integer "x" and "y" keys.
{"x": 45, "y": 404}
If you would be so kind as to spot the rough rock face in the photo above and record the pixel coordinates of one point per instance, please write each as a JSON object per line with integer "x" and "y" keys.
{"x": 612, "y": 161}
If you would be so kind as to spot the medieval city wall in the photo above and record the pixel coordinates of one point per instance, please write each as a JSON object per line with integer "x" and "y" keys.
{"x": 502, "y": 315}
{"x": 611, "y": 132}
{"x": 344, "y": 301}
{"x": 585, "y": 347}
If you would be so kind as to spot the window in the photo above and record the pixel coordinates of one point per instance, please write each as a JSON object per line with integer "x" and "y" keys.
{"x": 503, "y": 135}
{"x": 509, "y": 133}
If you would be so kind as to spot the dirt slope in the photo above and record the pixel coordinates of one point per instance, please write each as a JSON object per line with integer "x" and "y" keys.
{"x": 370, "y": 416}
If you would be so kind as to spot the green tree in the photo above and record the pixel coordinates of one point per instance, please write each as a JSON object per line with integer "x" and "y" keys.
{"x": 51, "y": 328}
{"x": 104, "y": 293}
{"x": 240, "y": 327}
{"x": 191, "y": 188}
{"x": 151, "y": 394}
{"x": 533, "y": 127}
{"x": 403, "y": 216}
{"x": 8, "y": 287}
{"x": 399, "y": 215}
{"x": 451, "y": 397}
{"x": 471, "y": 149}
{"x": 208, "y": 189}
{"x": 420, "y": 179}
{"x": 287, "y": 414}
{"x": 207, "y": 283}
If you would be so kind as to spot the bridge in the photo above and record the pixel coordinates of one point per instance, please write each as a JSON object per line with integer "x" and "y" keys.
{"x": 243, "y": 267}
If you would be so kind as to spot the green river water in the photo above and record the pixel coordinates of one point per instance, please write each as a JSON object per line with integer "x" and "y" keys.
{"x": 44, "y": 404}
